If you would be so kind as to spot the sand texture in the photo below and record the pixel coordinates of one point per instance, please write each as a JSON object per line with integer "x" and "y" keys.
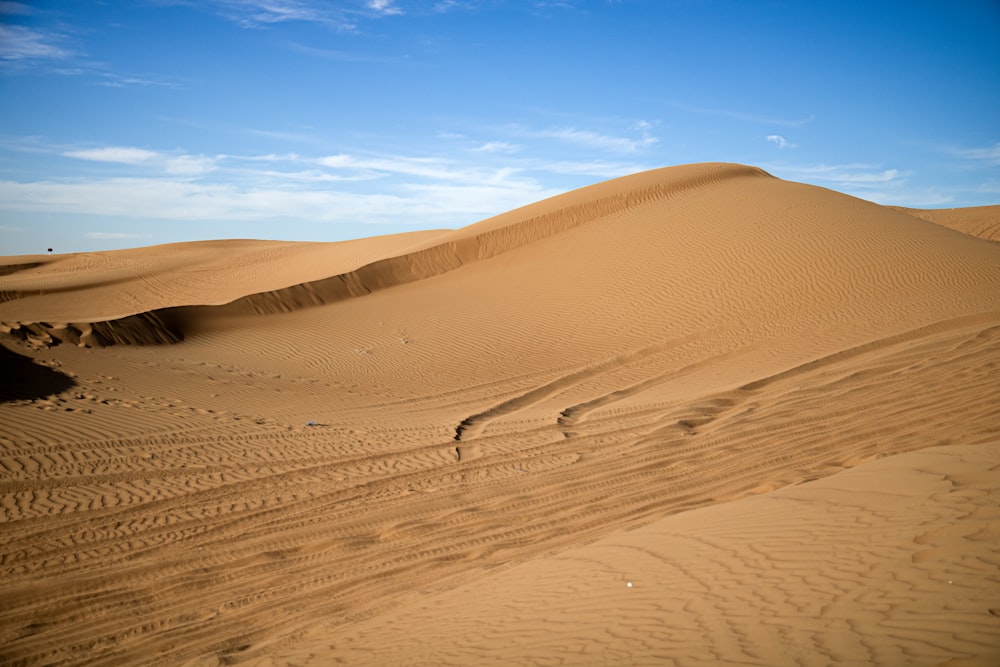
{"x": 773, "y": 408}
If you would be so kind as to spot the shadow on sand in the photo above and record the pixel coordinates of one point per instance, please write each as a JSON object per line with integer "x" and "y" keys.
{"x": 22, "y": 379}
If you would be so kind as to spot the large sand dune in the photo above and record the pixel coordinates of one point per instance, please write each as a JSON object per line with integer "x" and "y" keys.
{"x": 456, "y": 447}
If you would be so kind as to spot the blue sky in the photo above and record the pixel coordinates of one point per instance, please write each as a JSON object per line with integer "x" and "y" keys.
{"x": 152, "y": 121}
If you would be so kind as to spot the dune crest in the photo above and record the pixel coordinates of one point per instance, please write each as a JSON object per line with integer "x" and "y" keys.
{"x": 281, "y": 447}
{"x": 443, "y": 253}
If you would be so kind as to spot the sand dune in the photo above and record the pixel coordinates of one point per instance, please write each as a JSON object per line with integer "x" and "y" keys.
{"x": 125, "y": 290}
{"x": 981, "y": 221}
{"x": 422, "y": 449}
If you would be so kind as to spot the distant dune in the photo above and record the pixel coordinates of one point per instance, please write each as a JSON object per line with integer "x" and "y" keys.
{"x": 981, "y": 221}
{"x": 460, "y": 447}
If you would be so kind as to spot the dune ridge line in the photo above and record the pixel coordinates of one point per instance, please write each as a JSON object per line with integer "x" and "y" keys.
{"x": 168, "y": 325}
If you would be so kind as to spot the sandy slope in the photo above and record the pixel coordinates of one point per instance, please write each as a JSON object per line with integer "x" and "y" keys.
{"x": 89, "y": 287}
{"x": 981, "y": 221}
{"x": 347, "y": 432}
{"x": 882, "y": 565}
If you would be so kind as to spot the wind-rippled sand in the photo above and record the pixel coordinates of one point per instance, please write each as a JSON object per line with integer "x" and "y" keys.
{"x": 772, "y": 408}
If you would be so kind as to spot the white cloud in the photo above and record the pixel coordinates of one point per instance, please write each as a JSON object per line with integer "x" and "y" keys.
{"x": 422, "y": 167}
{"x": 554, "y": 4}
{"x": 402, "y": 189}
{"x": 19, "y": 42}
{"x": 190, "y": 165}
{"x": 114, "y": 80}
{"x": 990, "y": 154}
{"x": 384, "y": 7}
{"x": 884, "y": 176}
{"x": 309, "y": 176}
{"x": 269, "y": 157}
{"x": 140, "y": 198}
{"x": 924, "y": 197}
{"x": 598, "y": 169}
{"x": 22, "y": 47}
{"x": 498, "y": 147}
{"x": 178, "y": 165}
{"x": 299, "y": 195}
{"x": 12, "y": 8}
{"x": 254, "y": 13}
{"x": 482, "y": 180}
{"x": 780, "y": 141}
{"x": 874, "y": 183}
{"x": 276, "y": 11}
{"x": 842, "y": 174}
{"x": 475, "y": 202}
{"x": 592, "y": 139}
{"x": 118, "y": 154}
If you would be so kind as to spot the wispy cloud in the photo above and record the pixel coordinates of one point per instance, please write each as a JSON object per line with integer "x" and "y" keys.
{"x": 433, "y": 168}
{"x": 337, "y": 15}
{"x": 593, "y": 140}
{"x": 590, "y": 168}
{"x": 990, "y": 154}
{"x": 384, "y": 7}
{"x": 173, "y": 164}
{"x": 161, "y": 199}
{"x": 278, "y": 177}
{"x": 780, "y": 141}
{"x": 445, "y": 190}
{"x": 553, "y": 4}
{"x": 917, "y": 199}
{"x": 14, "y": 9}
{"x": 867, "y": 181}
{"x": 841, "y": 174}
{"x": 190, "y": 165}
{"x": 117, "y": 154}
{"x": 412, "y": 166}
{"x": 497, "y": 147}
{"x": 989, "y": 187}
{"x": 277, "y": 11}
{"x": 345, "y": 187}
{"x": 21, "y": 43}
{"x": 269, "y": 157}
{"x": 257, "y": 13}
{"x": 116, "y": 80}
{"x": 24, "y": 48}
{"x": 596, "y": 140}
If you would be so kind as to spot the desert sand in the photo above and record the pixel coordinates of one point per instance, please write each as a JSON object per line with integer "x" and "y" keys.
{"x": 694, "y": 416}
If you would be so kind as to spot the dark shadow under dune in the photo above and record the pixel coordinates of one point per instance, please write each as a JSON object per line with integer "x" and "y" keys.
{"x": 22, "y": 379}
